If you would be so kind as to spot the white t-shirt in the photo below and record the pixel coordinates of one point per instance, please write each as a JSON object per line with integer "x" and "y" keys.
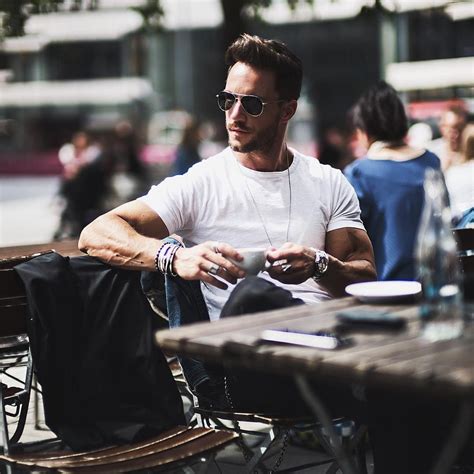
{"x": 213, "y": 201}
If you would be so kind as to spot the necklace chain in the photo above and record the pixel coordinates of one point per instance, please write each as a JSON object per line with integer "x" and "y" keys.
{"x": 256, "y": 206}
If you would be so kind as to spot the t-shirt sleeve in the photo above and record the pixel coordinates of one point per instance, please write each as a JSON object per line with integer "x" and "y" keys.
{"x": 173, "y": 200}
{"x": 345, "y": 205}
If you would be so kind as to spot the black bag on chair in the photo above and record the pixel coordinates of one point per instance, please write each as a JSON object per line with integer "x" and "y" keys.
{"x": 104, "y": 379}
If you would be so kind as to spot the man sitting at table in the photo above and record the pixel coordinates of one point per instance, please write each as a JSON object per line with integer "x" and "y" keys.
{"x": 256, "y": 193}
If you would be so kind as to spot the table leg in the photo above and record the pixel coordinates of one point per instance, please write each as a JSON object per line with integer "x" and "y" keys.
{"x": 456, "y": 438}
{"x": 321, "y": 414}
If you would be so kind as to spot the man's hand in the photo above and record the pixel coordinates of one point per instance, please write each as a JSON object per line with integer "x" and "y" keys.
{"x": 206, "y": 261}
{"x": 291, "y": 263}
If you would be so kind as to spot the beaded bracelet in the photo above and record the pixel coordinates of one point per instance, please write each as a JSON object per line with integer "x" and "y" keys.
{"x": 164, "y": 258}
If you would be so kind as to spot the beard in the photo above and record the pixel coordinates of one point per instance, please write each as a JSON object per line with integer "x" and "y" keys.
{"x": 261, "y": 141}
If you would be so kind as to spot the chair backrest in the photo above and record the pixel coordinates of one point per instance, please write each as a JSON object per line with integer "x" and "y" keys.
{"x": 10, "y": 262}
{"x": 465, "y": 239}
{"x": 13, "y": 302}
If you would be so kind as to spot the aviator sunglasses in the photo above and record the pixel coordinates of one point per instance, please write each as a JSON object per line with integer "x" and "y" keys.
{"x": 252, "y": 104}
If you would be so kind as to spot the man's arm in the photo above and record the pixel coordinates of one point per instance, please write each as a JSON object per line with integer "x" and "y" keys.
{"x": 130, "y": 237}
{"x": 351, "y": 260}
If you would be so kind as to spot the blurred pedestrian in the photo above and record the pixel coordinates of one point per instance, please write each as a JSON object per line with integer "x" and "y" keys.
{"x": 84, "y": 185}
{"x": 448, "y": 146}
{"x": 419, "y": 135}
{"x": 187, "y": 153}
{"x": 460, "y": 178}
{"x": 333, "y": 149}
{"x": 130, "y": 176}
{"x": 389, "y": 181}
{"x": 73, "y": 156}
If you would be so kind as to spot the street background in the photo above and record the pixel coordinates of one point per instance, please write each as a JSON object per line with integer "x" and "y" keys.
{"x": 133, "y": 75}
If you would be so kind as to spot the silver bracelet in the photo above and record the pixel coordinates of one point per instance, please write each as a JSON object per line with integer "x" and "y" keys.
{"x": 164, "y": 258}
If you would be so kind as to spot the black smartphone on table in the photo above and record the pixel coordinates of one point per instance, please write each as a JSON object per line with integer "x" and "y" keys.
{"x": 370, "y": 318}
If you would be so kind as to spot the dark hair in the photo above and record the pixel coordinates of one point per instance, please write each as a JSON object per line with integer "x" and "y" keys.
{"x": 272, "y": 55}
{"x": 380, "y": 113}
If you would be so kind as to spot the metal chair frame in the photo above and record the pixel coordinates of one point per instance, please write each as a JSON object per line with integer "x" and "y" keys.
{"x": 184, "y": 445}
{"x": 276, "y": 434}
{"x": 14, "y": 351}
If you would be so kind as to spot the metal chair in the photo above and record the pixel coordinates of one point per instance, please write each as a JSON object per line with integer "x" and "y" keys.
{"x": 276, "y": 434}
{"x": 14, "y": 351}
{"x": 174, "y": 449}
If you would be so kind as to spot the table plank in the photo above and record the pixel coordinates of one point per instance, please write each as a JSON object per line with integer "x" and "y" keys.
{"x": 64, "y": 247}
{"x": 401, "y": 359}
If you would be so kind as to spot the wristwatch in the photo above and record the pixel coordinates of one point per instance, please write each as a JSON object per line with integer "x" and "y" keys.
{"x": 321, "y": 263}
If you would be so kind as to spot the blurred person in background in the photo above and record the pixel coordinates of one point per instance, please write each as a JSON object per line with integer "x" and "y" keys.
{"x": 419, "y": 135}
{"x": 407, "y": 431}
{"x": 187, "y": 153}
{"x": 460, "y": 181}
{"x": 389, "y": 181}
{"x": 86, "y": 169}
{"x": 334, "y": 149}
{"x": 129, "y": 175}
{"x": 73, "y": 156}
{"x": 448, "y": 146}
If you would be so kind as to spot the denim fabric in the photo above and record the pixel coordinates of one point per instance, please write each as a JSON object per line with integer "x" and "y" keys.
{"x": 185, "y": 305}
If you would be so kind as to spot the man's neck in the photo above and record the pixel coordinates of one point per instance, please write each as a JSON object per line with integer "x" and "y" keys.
{"x": 275, "y": 160}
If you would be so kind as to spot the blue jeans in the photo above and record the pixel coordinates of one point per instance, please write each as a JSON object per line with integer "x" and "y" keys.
{"x": 184, "y": 305}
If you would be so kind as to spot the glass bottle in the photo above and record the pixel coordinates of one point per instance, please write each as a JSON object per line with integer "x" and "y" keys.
{"x": 438, "y": 264}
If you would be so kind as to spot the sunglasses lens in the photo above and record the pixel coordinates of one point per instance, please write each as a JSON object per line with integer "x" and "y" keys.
{"x": 253, "y": 105}
{"x": 225, "y": 100}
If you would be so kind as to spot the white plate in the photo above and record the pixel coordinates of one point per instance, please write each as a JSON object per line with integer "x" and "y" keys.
{"x": 384, "y": 291}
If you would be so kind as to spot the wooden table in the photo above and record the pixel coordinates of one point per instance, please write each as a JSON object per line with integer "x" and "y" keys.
{"x": 384, "y": 358}
{"x": 64, "y": 247}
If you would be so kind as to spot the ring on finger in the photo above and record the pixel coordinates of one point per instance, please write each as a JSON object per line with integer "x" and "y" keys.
{"x": 286, "y": 267}
{"x": 213, "y": 269}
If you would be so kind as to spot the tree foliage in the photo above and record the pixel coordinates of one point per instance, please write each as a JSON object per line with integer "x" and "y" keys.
{"x": 16, "y": 12}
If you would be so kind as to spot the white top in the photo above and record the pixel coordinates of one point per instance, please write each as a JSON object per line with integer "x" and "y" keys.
{"x": 212, "y": 202}
{"x": 460, "y": 184}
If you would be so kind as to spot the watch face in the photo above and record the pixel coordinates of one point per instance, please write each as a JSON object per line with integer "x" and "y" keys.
{"x": 321, "y": 261}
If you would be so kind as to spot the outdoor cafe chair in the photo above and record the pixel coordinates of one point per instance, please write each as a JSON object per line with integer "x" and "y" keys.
{"x": 175, "y": 449}
{"x": 276, "y": 438}
{"x": 14, "y": 351}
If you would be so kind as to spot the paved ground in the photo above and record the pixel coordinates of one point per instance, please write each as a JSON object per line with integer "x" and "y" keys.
{"x": 29, "y": 210}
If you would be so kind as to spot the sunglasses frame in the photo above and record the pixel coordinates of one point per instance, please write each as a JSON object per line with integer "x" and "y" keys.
{"x": 239, "y": 97}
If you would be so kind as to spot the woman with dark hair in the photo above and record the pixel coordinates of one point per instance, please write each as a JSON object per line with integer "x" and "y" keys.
{"x": 187, "y": 153}
{"x": 389, "y": 180}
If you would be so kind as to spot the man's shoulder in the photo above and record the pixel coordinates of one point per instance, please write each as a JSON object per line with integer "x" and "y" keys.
{"x": 214, "y": 162}
{"x": 314, "y": 166}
